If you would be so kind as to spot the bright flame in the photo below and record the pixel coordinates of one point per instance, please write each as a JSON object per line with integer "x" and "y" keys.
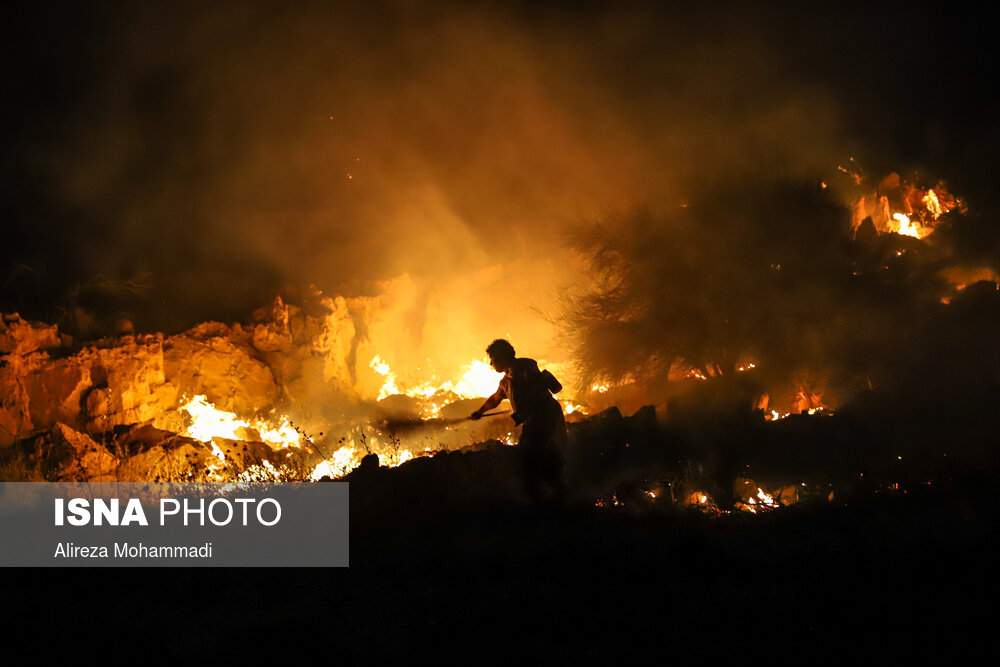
{"x": 395, "y": 459}
{"x": 284, "y": 435}
{"x": 765, "y": 498}
{"x": 899, "y": 206}
{"x": 930, "y": 200}
{"x": 209, "y": 422}
{"x": 346, "y": 459}
{"x": 343, "y": 461}
{"x": 389, "y": 388}
{"x": 907, "y": 228}
{"x": 479, "y": 380}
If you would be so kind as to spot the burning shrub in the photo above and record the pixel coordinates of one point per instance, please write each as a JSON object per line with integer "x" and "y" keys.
{"x": 762, "y": 277}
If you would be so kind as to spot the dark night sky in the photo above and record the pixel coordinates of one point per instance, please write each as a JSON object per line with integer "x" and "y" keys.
{"x": 193, "y": 150}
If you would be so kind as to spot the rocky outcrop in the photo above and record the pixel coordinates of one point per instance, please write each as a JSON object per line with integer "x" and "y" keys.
{"x": 218, "y": 361}
{"x": 286, "y": 353}
{"x": 119, "y": 382}
{"x": 146, "y": 453}
{"x": 128, "y": 384}
{"x": 20, "y": 337}
{"x": 61, "y": 454}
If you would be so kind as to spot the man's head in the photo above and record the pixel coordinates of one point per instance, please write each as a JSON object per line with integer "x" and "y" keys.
{"x": 501, "y": 355}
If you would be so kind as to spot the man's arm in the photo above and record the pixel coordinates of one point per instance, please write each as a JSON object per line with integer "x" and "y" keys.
{"x": 489, "y": 404}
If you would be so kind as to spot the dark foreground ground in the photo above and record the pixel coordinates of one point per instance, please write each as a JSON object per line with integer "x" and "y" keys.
{"x": 447, "y": 562}
{"x": 886, "y": 576}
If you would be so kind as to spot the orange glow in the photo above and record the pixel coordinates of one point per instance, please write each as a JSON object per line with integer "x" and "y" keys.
{"x": 209, "y": 422}
{"x": 907, "y": 228}
{"x": 897, "y": 206}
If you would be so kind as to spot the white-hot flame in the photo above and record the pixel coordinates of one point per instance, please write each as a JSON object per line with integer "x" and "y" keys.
{"x": 209, "y": 422}
{"x": 346, "y": 459}
{"x": 930, "y": 200}
{"x": 908, "y": 228}
{"x": 343, "y": 461}
{"x": 479, "y": 380}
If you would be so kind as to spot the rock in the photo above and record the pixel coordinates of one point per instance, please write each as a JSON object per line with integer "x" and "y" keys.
{"x": 211, "y": 360}
{"x": 20, "y": 337}
{"x": 128, "y": 383}
{"x": 176, "y": 460}
{"x": 368, "y": 468}
{"x": 152, "y": 454}
{"x": 596, "y": 448}
{"x": 642, "y": 429}
{"x": 64, "y": 454}
{"x": 604, "y": 432}
{"x": 15, "y": 419}
{"x": 42, "y": 392}
{"x": 100, "y": 387}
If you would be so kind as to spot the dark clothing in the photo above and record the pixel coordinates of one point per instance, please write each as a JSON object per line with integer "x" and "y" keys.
{"x": 543, "y": 434}
{"x": 524, "y": 387}
{"x": 542, "y": 443}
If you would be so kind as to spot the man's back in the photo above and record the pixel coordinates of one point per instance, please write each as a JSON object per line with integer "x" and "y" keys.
{"x": 526, "y": 390}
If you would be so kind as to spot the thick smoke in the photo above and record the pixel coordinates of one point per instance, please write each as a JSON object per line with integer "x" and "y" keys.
{"x": 183, "y": 162}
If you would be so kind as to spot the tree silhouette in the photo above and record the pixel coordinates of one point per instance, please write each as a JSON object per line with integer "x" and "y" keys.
{"x": 767, "y": 270}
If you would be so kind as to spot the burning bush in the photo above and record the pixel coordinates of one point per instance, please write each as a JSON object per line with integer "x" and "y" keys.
{"x": 764, "y": 277}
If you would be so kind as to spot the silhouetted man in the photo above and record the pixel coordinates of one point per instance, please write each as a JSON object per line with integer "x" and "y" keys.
{"x": 543, "y": 436}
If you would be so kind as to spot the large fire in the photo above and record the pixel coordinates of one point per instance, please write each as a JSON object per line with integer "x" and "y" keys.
{"x": 208, "y": 422}
{"x": 478, "y": 380}
{"x": 898, "y": 206}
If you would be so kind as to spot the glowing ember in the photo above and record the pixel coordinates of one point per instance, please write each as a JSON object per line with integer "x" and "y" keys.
{"x": 698, "y": 498}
